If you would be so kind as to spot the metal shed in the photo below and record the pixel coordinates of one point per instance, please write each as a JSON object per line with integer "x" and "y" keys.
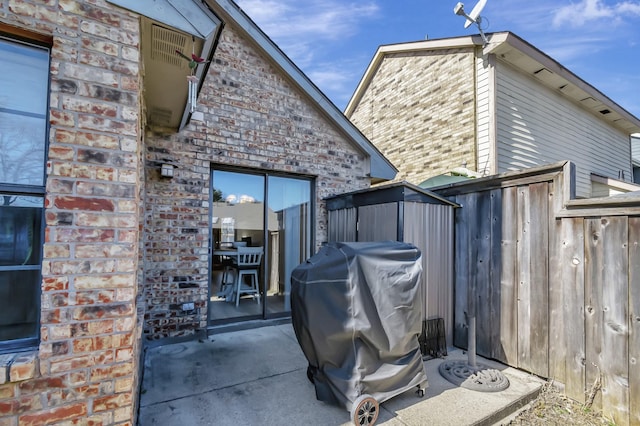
{"x": 407, "y": 213}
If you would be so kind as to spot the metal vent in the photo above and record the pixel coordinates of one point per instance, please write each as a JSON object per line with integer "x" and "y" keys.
{"x": 165, "y": 43}
{"x": 160, "y": 116}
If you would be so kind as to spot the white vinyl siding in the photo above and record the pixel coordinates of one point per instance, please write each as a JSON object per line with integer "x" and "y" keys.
{"x": 483, "y": 115}
{"x": 537, "y": 126}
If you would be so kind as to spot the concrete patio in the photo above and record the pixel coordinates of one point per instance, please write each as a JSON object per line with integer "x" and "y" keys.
{"x": 258, "y": 376}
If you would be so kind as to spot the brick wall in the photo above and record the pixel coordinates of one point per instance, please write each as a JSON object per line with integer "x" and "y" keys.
{"x": 86, "y": 365}
{"x": 254, "y": 118}
{"x": 419, "y": 112}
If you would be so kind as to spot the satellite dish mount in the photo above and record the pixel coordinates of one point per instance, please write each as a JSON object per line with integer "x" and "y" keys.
{"x": 473, "y": 17}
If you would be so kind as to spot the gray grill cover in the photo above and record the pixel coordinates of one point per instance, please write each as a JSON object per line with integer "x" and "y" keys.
{"x": 357, "y": 315}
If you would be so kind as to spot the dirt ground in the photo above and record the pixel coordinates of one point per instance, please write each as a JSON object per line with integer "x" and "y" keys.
{"x": 553, "y": 408}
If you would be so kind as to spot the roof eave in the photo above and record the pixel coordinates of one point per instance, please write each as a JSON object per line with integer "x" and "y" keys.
{"x": 569, "y": 84}
{"x": 499, "y": 44}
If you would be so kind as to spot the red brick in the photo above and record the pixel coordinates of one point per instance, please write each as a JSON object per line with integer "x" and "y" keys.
{"x": 23, "y": 367}
{"x": 61, "y": 118}
{"x": 105, "y": 357}
{"x": 60, "y": 397}
{"x": 80, "y": 203}
{"x": 8, "y": 407}
{"x": 111, "y": 402}
{"x": 105, "y": 173}
{"x": 55, "y": 283}
{"x": 54, "y": 316}
{"x": 41, "y": 385}
{"x": 88, "y": 139}
{"x": 58, "y": 332}
{"x": 8, "y": 390}
{"x": 103, "y": 342}
{"x": 61, "y": 153}
{"x": 82, "y": 345}
{"x": 77, "y": 378}
{"x": 21, "y": 405}
{"x": 102, "y": 311}
{"x": 119, "y": 370}
{"x": 95, "y": 297}
{"x": 54, "y": 415}
{"x": 70, "y": 364}
{"x": 92, "y": 328}
{"x": 71, "y": 103}
{"x": 105, "y": 281}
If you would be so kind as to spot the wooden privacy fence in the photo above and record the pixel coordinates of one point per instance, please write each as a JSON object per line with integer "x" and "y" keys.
{"x": 556, "y": 282}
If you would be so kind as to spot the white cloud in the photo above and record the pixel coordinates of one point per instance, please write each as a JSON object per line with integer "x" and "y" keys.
{"x": 595, "y": 11}
{"x": 311, "y": 29}
{"x": 568, "y": 49}
{"x": 569, "y": 30}
{"x": 300, "y": 28}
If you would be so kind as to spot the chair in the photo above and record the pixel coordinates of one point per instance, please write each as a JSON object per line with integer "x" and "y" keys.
{"x": 247, "y": 264}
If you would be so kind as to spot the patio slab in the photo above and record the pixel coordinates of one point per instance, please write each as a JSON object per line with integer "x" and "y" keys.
{"x": 258, "y": 376}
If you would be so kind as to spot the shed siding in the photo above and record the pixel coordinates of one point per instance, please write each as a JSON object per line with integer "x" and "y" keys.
{"x": 483, "y": 115}
{"x": 537, "y": 126}
{"x": 424, "y": 129}
{"x": 430, "y": 228}
{"x": 343, "y": 225}
{"x": 378, "y": 222}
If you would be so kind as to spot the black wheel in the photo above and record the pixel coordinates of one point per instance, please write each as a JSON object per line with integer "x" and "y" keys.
{"x": 310, "y": 374}
{"x": 364, "y": 410}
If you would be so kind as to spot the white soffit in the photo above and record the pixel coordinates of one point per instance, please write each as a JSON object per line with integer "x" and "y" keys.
{"x": 520, "y": 54}
{"x": 184, "y": 15}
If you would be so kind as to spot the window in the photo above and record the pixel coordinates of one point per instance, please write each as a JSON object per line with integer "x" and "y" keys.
{"x": 24, "y": 88}
{"x": 272, "y": 213}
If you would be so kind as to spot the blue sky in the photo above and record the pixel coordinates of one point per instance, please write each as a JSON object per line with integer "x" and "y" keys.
{"x": 333, "y": 41}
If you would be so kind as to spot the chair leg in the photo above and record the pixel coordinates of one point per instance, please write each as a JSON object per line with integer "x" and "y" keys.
{"x": 238, "y": 287}
{"x": 254, "y": 276}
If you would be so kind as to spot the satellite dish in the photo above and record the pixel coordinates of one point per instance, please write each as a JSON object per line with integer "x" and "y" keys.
{"x": 473, "y": 17}
{"x": 475, "y": 13}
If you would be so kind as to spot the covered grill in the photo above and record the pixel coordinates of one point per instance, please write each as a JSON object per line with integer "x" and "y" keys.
{"x": 357, "y": 314}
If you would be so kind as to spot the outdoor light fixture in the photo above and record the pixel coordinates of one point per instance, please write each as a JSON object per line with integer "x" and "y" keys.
{"x": 166, "y": 170}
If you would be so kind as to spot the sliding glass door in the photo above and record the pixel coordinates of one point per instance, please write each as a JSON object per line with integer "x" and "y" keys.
{"x": 261, "y": 230}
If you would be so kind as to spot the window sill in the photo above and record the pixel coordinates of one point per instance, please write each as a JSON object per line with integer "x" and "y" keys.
{"x": 18, "y": 367}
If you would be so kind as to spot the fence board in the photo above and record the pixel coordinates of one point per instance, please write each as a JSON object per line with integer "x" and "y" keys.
{"x": 615, "y": 331}
{"x": 495, "y": 293}
{"x": 462, "y": 261}
{"x": 567, "y": 304}
{"x": 634, "y": 320}
{"x": 482, "y": 283}
{"x": 593, "y": 275}
{"x": 539, "y": 276}
{"x": 524, "y": 279}
{"x": 571, "y": 308}
{"x": 558, "y": 351}
{"x": 508, "y": 344}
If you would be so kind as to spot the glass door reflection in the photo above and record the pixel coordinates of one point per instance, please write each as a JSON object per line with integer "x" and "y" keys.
{"x": 278, "y": 233}
{"x": 289, "y": 236}
{"x": 237, "y": 227}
